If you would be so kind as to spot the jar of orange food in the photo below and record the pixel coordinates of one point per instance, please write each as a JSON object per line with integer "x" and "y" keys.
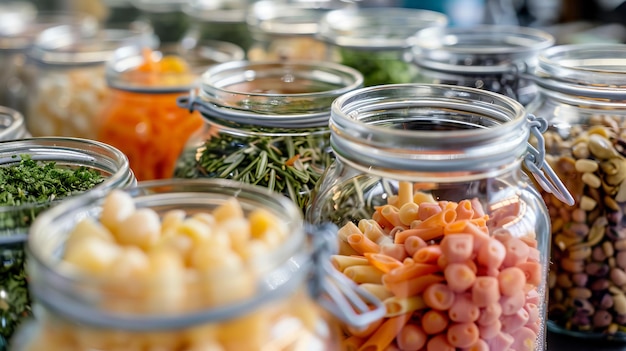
{"x": 437, "y": 217}
{"x": 141, "y": 116}
{"x": 187, "y": 265}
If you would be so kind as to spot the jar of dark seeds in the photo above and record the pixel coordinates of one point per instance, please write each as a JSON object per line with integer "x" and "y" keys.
{"x": 489, "y": 57}
{"x": 267, "y": 124}
{"x": 583, "y": 96}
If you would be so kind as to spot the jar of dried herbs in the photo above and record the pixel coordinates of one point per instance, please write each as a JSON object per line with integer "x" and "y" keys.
{"x": 12, "y": 124}
{"x": 489, "y": 57}
{"x": 267, "y": 124}
{"x": 35, "y": 174}
{"x": 583, "y": 96}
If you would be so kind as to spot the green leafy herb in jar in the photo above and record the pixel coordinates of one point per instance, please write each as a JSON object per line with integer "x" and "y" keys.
{"x": 26, "y": 189}
{"x": 379, "y": 67}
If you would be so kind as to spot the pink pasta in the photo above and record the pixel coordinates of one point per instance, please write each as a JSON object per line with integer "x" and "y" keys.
{"x": 459, "y": 276}
{"x": 490, "y": 314}
{"x": 457, "y": 247}
{"x": 488, "y": 331}
{"x": 511, "y": 280}
{"x": 434, "y": 322}
{"x": 480, "y": 345}
{"x": 411, "y": 338}
{"x": 502, "y": 341}
{"x": 511, "y": 304}
{"x": 514, "y": 321}
{"x": 439, "y": 343}
{"x": 524, "y": 339}
{"x": 491, "y": 254}
{"x": 516, "y": 252}
{"x": 485, "y": 291}
{"x": 427, "y": 210}
{"x": 413, "y": 244}
{"x": 462, "y": 335}
{"x": 463, "y": 309}
{"x": 439, "y": 297}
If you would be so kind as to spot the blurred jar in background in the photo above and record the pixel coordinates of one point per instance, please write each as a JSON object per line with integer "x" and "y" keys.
{"x": 120, "y": 11}
{"x": 19, "y": 26}
{"x": 462, "y": 13}
{"x": 141, "y": 116}
{"x": 287, "y": 30}
{"x": 223, "y": 20}
{"x": 166, "y": 17}
{"x": 375, "y": 41}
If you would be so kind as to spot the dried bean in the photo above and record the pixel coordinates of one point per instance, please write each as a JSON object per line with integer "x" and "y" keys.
{"x": 618, "y": 276}
{"x": 579, "y": 293}
{"x": 564, "y": 281}
{"x": 579, "y": 216}
{"x": 607, "y": 247}
{"x": 592, "y": 180}
{"x": 573, "y": 266}
{"x": 602, "y": 318}
{"x": 621, "y": 259}
{"x": 587, "y": 203}
{"x": 580, "y": 279}
{"x": 606, "y": 301}
{"x": 600, "y": 285}
{"x": 586, "y": 166}
{"x": 598, "y": 254}
{"x": 620, "y": 245}
{"x": 619, "y": 303}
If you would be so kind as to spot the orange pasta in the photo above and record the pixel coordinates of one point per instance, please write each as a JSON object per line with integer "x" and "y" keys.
{"x": 392, "y": 215}
{"x": 364, "y": 332}
{"x": 364, "y": 274}
{"x": 410, "y": 271}
{"x": 438, "y": 220}
{"x": 352, "y": 343}
{"x": 412, "y": 338}
{"x": 381, "y": 220}
{"x": 396, "y": 251}
{"x": 413, "y": 286}
{"x": 385, "y": 335}
{"x": 425, "y": 234}
{"x": 361, "y": 244}
{"x": 428, "y": 254}
{"x": 464, "y": 210}
{"x": 383, "y": 262}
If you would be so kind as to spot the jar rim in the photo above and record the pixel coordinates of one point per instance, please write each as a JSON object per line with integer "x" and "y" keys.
{"x": 376, "y": 28}
{"x": 306, "y": 105}
{"x": 85, "y": 152}
{"x": 479, "y": 49}
{"x": 12, "y": 124}
{"x": 44, "y": 244}
{"x": 489, "y": 130}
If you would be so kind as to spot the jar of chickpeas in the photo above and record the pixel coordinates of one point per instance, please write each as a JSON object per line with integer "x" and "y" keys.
{"x": 37, "y": 174}
{"x": 376, "y": 41}
{"x": 187, "y": 265}
{"x": 437, "y": 218}
{"x": 490, "y": 57}
{"x": 582, "y": 94}
{"x": 68, "y": 95}
{"x": 267, "y": 124}
{"x": 11, "y": 124}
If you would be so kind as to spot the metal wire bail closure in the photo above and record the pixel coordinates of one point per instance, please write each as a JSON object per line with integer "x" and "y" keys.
{"x": 541, "y": 170}
{"x": 335, "y": 292}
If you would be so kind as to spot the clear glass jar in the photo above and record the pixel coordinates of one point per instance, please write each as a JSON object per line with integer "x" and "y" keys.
{"x": 376, "y": 41}
{"x": 267, "y": 124}
{"x": 70, "y": 88}
{"x": 12, "y": 124}
{"x": 582, "y": 94}
{"x": 166, "y": 17}
{"x": 285, "y": 30}
{"x": 16, "y": 220}
{"x": 490, "y": 57}
{"x": 455, "y": 236}
{"x": 268, "y": 302}
{"x": 18, "y": 32}
{"x": 222, "y": 20}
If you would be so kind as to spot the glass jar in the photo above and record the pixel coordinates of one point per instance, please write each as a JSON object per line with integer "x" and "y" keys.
{"x": 582, "y": 94}
{"x": 11, "y": 124}
{"x": 18, "y": 32}
{"x": 376, "y": 40}
{"x": 437, "y": 217}
{"x": 166, "y": 17}
{"x": 285, "y": 30}
{"x": 15, "y": 220}
{"x": 267, "y": 124}
{"x": 222, "y": 20}
{"x": 141, "y": 116}
{"x": 490, "y": 57}
{"x": 267, "y": 302}
{"x": 70, "y": 89}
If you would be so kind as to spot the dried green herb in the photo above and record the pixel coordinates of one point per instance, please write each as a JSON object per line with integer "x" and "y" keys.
{"x": 21, "y": 185}
{"x": 289, "y": 164}
{"x": 379, "y": 67}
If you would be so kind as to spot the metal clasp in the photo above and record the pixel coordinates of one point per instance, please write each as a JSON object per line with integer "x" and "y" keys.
{"x": 541, "y": 170}
{"x": 334, "y": 291}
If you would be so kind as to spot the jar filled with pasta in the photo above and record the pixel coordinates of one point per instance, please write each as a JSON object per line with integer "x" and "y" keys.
{"x": 36, "y": 174}
{"x": 267, "y": 124}
{"x": 70, "y": 88}
{"x": 141, "y": 116}
{"x": 12, "y": 125}
{"x": 452, "y": 236}
{"x": 222, "y": 20}
{"x": 285, "y": 30}
{"x": 204, "y": 264}
{"x": 582, "y": 94}
{"x": 489, "y": 57}
{"x": 20, "y": 25}
{"x": 376, "y": 41}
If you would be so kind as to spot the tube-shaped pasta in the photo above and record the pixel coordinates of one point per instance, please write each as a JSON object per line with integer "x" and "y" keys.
{"x": 378, "y": 290}
{"x": 514, "y": 321}
{"x": 361, "y": 244}
{"x": 426, "y": 233}
{"x": 392, "y": 215}
{"x": 490, "y": 314}
{"x": 488, "y": 331}
{"x": 533, "y": 312}
{"x": 386, "y": 333}
{"x": 463, "y": 309}
{"x": 511, "y": 280}
{"x": 439, "y": 297}
{"x": 364, "y": 274}
{"x": 410, "y": 271}
{"x": 511, "y": 304}
{"x": 459, "y": 276}
{"x": 413, "y": 286}
{"x": 364, "y": 333}
{"x": 411, "y": 338}
{"x": 428, "y": 254}
{"x": 439, "y": 343}
{"x": 412, "y": 244}
{"x": 396, "y": 251}
{"x": 524, "y": 339}
{"x": 346, "y": 230}
{"x": 532, "y": 272}
{"x": 352, "y": 343}
{"x": 491, "y": 253}
{"x": 502, "y": 341}
{"x": 408, "y": 213}
{"x": 485, "y": 291}
{"x": 399, "y": 305}
{"x": 405, "y": 194}
{"x": 434, "y": 322}
{"x": 346, "y": 250}
{"x": 373, "y": 231}
{"x": 516, "y": 252}
{"x": 427, "y": 210}
{"x": 341, "y": 262}
{"x": 457, "y": 247}
{"x": 381, "y": 220}
{"x": 462, "y": 335}
{"x": 383, "y": 262}
{"x": 440, "y": 219}
{"x": 464, "y": 210}
{"x": 478, "y": 208}
{"x": 480, "y": 345}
